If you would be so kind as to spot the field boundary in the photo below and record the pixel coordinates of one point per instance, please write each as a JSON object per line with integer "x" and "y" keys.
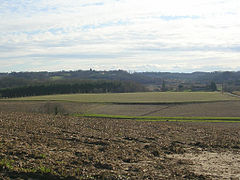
{"x": 121, "y": 103}
{"x": 158, "y": 110}
{"x": 158, "y": 118}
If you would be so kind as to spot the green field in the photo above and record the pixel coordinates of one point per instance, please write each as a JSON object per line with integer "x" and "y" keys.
{"x": 144, "y": 98}
{"x": 157, "y": 118}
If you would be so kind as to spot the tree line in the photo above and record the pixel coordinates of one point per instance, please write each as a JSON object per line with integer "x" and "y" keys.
{"x": 89, "y": 86}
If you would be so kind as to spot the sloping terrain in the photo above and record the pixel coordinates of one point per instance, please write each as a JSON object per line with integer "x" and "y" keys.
{"x": 210, "y": 109}
{"x": 47, "y": 146}
{"x": 136, "y": 98}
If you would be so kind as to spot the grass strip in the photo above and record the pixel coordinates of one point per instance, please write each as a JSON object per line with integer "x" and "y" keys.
{"x": 157, "y": 118}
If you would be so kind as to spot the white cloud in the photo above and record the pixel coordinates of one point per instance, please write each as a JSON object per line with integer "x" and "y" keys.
{"x": 170, "y": 35}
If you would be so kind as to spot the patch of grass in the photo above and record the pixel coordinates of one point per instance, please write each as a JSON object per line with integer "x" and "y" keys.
{"x": 157, "y": 118}
{"x": 44, "y": 170}
{"x": 136, "y": 98}
{"x": 42, "y": 156}
{"x": 6, "y": 164}
{"x": 54, "y": 78}
{"x": 40, "y": 172}
{"x": 27, "y": 170}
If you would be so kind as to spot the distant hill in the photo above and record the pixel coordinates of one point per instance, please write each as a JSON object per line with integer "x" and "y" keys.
{"x": 200, "y": 77}
{"x": 180, "y": 81}
{"x": 15, "y": 79}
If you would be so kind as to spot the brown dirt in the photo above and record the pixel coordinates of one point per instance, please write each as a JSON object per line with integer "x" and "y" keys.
{"x": 213, "y": 164}
{"x": 214, "y": 109}
{"x": 41, "y": 146}
{"x": 46, "y": 107}
{"x": 218, "y": 109}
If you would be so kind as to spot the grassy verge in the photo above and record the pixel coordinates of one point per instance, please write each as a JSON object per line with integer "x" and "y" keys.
{"x": 157, "y": 118}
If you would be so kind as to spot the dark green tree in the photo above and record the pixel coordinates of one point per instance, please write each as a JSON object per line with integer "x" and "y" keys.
{"x": 213, "y": 86}
{"x": 180, "y": 87}
{"x": 164, "y": 88}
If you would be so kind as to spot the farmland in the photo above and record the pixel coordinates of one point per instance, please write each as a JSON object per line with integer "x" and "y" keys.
{"x": 138, "y": 98}
{"x": 236, "y": 93}
{"x": 90, "y": 148}
{"x": 121, "y": 136}
{"x": 167, "y": 104}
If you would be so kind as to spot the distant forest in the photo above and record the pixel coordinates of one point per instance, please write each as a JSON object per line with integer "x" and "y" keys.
{"x": 17, "y": 84}
{"x": 65, "y": 87}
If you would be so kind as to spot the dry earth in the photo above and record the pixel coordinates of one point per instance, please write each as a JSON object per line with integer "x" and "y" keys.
{"x": 212, "y": 163}
{"x": 211, "y": 109}
{"x": 41, "y": 146}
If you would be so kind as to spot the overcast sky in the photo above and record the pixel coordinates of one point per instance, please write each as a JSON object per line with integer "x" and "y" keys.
{"x": 137, "y": 35}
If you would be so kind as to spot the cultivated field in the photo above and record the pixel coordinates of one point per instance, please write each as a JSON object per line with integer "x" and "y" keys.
{"x": 42, "y": 146}
{"x": 121, "y": 136}
{"x": 210, "y": 109}
{"x": 168, "y": 104}
{"x": 147, "y": 98}
{"x": 236, "y": 93}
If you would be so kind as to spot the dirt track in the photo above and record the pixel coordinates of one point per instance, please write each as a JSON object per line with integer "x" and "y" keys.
{"x": 47, "y": 146}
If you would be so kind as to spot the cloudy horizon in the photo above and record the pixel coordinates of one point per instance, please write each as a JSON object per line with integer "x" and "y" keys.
{"x": 146, "y": 35}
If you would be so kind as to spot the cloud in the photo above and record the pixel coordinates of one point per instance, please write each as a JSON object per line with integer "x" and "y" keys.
{"x": 170, "y": 35}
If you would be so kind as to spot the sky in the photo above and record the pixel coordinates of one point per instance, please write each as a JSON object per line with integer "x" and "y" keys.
{"x": 132, "y": 35}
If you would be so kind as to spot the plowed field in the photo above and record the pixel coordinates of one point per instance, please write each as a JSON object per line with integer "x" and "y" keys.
{"x": 43, "y": 146}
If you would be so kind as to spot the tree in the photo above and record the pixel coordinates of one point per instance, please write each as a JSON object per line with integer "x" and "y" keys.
{"x": 164, "y": 86}
{"x": 213, "y": 86}
{"x": 180, "y": 87}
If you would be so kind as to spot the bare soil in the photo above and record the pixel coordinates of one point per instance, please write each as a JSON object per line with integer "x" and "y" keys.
{"x": 41, "y": 146}
{"x": 213, "y": 163}
{"x": 211, "y": 109}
